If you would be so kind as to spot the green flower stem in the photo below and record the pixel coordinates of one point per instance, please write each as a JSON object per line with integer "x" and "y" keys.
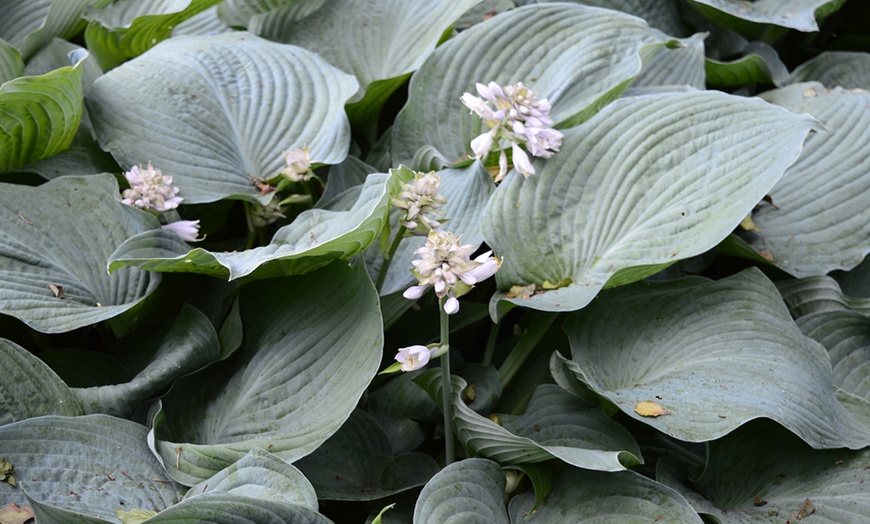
{"x": 382, "y": 274}
{"x": 490, "y": 344}
{"x": 541, "y": 322}
{"x": 446, "y": 386}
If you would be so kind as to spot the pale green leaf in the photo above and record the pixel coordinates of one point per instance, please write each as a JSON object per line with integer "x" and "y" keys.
{"x": 240, "y": 12}
{"x": 810, "y": 295}
{"x": 650, "y": 180}
{"x": 263, "y": 476}
{"x": 661, "y": 14}
{"x": 742, "y": 16}
{"x": 678, "y": 66}
{"x": 216, "y": 112}
{"x": 761, "y": 473}
{"x": 93, "y": 465}
{"x": 594, "y": 496}
{"x": 312, "y": 345}
{"x": 11, "y": 64}
{"x": 29, "y": 388}
{"x": 578, "y": 58}
{"x": 715, "y": 355}
{"x": 819, "y": 199}
{"x": 30, "y": 25}
{"x": 358, "y": 463}
{"x": 157, "y": 356}
{"x": 314, "y": 239}
{"x": 470, "y": 491}
{"x": 846, "y": 69}
{"x": 61, "y": 234}
{"x": 230, "y": 508}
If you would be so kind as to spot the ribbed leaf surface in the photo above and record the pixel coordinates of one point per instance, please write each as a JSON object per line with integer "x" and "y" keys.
{"x": 470, "y": 491}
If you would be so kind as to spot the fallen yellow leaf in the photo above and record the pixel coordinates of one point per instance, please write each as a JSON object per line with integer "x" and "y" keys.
{"x": 648, "y": 408}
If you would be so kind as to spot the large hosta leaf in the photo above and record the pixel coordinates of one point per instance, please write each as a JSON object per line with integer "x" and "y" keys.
{"x": 93, "y": 465}
{"x": 263, "y": 476}
{"x": 358, "y": 463}
{"x": 577, "y": 57}
{"x": 661, "y": 14}
{"x": 11, "y": 64}
{"x": 314, "y": 239}
{"x": 312, "y": 344}
{"x": 806, "y": 296}
{"x": 594, "y": 496}
{"x": 714, "y": 355}
{"x": 29, "y": 388}
{"x": 845, "y": 69}
{"x": 648, "y": 181}
{"x": 165, "y": 352}
{"x": 741, "y": 15}
{"x": 469, "y": 491}
{"x": 32, "y": 24}
{"x": 678, "y": 66}
{"x": 39, "y": 115}
{"x": 820, "y": 220}
{"x": 761, "y": 473}
{"x": 216, "y": 112}
{"x": 373, "y": 39}
{"x": 556, "y": 425}
{"x": 128, "y": 28}
{"x": 61, "y": 234}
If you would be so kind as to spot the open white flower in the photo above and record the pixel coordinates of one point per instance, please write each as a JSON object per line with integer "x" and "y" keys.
{"x": 413, "y": 357}
{"x": 447, "y": 266}
{"x": 519, "y": 119}
{"x": 188, "y": 230}
{"x": 150, "y": 190}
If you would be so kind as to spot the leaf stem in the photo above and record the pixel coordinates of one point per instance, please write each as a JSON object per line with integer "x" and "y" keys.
{"x": 446, "y": 386}
{"x": 490, "y": 344}
{"x": 382, "y": 274}
{"x": 541, "y": 322}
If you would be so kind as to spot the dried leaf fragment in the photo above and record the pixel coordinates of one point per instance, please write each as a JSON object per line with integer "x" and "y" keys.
{"x": 57, "y": 290}
{"x": 648, "y": 408}
{"x": 12, "y": 514}
{"x": 134, "y": 516}
{"x": 807, "y": 509}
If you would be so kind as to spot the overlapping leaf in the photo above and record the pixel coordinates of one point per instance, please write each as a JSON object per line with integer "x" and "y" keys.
{"x": 678, "y": 66}
{"x": 846, "y": 69}
{"x": 314, "y": 239}
{"x": 555, "y": 425}
{"x": 469, "y": 491}
{"x": 11, "y": 64}
{"x": 806, "y": 296}
{"x": 376, "y": 40}
{"x": 312, "y": 345}
{"x": 714, "y": 355}
{"x": 216, "y": 112}
{"x": 61, "y": 234}
{"x": 594, "y": 496}
{"x": 128, "y": 28}
{"x": 648, "y": 181}
{"x": 91, "y": 465}
{"x": 29, "y": 388}
{"x": 819, "y": 220}
{"x": 801, "y": 15}
{"x": 30, "y": 25}
{"x": 39, "y": 115}
{"x": 577, "y": 57}
{"x": 358, "y": 463}
{"x": 661, "y": 14}
{"x": 761, "y": 473}
{"x": 157, "y": 357}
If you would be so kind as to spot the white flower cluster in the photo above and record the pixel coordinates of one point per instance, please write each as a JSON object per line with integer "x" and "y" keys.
{"x": 447, "y": 266}
{"x": 150, "y": 190}
{"x": 420, "y": 198}
{"x": 518, "y": 117}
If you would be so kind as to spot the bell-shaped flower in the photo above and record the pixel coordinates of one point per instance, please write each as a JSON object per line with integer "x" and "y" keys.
{"x": 446, "y": 265}
{"x": 188, "y": 230}
{"x": 413, "y": 357}
{"x": 518, "y": 119}
{"x": 150, "y": 189}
